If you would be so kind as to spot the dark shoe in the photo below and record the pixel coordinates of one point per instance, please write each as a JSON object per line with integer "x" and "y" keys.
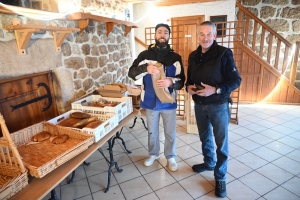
{"x": 220, "y": 190}
{"x": 202, "y": 167}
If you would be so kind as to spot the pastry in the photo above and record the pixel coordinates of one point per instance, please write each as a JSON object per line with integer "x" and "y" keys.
{"x": 41, "y": 136}
{"x": 60, "y": 139}
{"x": 80, "y": 115}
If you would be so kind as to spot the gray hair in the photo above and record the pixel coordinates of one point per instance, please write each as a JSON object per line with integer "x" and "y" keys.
{"x": 208, "y": 23}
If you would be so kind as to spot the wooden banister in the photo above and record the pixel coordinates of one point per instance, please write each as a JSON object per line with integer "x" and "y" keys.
{"x": 293, "y": 72}
{"x": 271, "y": 47}
{"x": 263, "y": 24}
{"x": 141, "y": 42}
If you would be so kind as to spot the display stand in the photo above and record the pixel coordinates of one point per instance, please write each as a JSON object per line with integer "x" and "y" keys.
{"x": 40, "y": 187}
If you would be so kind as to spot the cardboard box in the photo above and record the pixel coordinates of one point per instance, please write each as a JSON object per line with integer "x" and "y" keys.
{"x": 113, "y": 90}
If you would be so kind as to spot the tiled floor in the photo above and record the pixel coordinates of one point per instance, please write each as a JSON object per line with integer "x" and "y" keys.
{"x": 264, "y": 163}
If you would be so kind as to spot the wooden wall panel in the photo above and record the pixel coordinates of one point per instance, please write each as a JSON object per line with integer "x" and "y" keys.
{"x": 260, "y": 82}
{"x": 17, "y": 91}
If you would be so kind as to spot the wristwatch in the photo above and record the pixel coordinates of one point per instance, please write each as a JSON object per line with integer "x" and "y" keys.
{"x": 218, "y": 90}
{"x": 174, "y": 80}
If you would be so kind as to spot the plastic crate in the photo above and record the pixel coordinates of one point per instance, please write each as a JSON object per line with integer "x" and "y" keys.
{"x": 110, "y": 121}
{"x": 122, "y": 110}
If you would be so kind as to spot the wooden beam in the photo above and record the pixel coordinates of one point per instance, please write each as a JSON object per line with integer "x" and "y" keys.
{"x": 109, "y": 27}
{"x": 82, "y": 23}
{"x": 127, "y": 30}
{"x": 59, "y": 37}
{"x": 22, "y": 38}
{"x": 23, "y": 33}
{"x": 178, "y": 2}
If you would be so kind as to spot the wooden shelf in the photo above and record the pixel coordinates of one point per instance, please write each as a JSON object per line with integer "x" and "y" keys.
{"x": 83, "y": 21}
{"x": 23, "y": 33}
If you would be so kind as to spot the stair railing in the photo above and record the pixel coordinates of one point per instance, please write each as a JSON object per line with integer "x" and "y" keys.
{"x": 268, "y": 44}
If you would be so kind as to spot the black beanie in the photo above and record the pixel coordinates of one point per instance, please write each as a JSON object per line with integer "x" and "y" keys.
{"x": 164, "y": 25}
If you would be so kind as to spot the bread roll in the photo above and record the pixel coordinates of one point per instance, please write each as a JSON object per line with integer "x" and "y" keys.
{"x": 60, "y": 139}
{"x": 80, "y": 115}
{"x": 93, "y": 124}
{"x": 41, "y": 136}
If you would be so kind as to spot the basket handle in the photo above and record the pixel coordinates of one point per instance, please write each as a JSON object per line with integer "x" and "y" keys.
{"x": 14, "y": 149}
{"x": 71, "y": 154}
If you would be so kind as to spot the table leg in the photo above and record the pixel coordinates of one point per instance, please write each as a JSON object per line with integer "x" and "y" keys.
{"x": 53, "y": 195}
{"x": 73, "y": 173}
{"x": 119, "y": 137}
{"x": 72, "y": 177}
{"x": 111, "y": 163}
{"x": 134, "y": 121}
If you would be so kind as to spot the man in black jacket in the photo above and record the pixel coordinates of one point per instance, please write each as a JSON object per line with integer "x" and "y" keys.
{"x": 212, "y": 76}
{"x": 152, "y": 95}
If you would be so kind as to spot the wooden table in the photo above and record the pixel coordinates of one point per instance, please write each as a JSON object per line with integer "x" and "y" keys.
{"x": 40, "y": 187}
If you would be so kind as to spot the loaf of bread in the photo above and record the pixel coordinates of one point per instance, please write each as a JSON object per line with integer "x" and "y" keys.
{"x": 103, "y": 104}
{"x": 41, "y": 136}
{"x": 60, "y": 139}
{"x": 80, "y": 115}
{"x": 93, "y": 124}
{"x": 84, "y": 122}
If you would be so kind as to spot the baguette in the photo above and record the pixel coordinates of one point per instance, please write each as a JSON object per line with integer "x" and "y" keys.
{"x": 84, "y": 122}
{"x": 80, "y": 115}
{"x": 60, "y": 139}
{"x": 93, "y": 124}
{"x": 41, "y": 136}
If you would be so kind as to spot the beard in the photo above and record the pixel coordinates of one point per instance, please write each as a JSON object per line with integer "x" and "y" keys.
{"x": 161, "y": 44}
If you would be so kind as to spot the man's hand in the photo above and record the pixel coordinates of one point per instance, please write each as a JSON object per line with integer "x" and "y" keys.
{"x": 152, "y": 69}
{"x": 164, "y": 83}
{"x": 191, "y": 89}
{"x": 207, "y": 91}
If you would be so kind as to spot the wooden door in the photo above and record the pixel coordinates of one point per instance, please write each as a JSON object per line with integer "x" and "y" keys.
{"x": 27, "y": 100}
{"x": 184, "y": 36}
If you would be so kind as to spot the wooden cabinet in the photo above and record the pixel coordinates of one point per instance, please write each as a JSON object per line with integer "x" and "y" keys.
{"x": 27, "y": 100}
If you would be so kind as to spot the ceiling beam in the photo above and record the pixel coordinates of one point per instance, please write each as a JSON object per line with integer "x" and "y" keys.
{"x": 170, "y": 2}
{"x": 178, "y": 2}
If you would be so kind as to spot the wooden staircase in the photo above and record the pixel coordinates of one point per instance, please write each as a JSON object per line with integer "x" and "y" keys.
{"x": 268, "y": 62}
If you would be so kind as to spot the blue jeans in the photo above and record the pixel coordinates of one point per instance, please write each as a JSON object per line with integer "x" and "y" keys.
{"x": 169, "y": 124}
{"x": 213, "y": 120}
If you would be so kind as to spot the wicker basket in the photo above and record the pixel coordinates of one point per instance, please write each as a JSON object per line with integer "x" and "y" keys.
{"x": 13, "y": 174}
{"x": 44, "y": 157}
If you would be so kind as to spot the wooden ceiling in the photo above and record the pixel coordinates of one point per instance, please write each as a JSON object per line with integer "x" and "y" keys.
{"x": 170, "y": 2}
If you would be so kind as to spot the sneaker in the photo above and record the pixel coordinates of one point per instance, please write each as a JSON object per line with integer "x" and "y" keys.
{"x": 150, "y": 160}
{"x": 202, "y": 167}
{"x": 172, "y": 165}
{"x": 220, "y": 190}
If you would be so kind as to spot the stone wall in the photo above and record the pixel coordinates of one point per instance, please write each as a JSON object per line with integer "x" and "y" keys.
{"x": 281, "y": 15}
{"x": 84, "y": 63}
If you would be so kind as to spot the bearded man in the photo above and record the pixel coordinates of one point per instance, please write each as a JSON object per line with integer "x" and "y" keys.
{"x": 145, "y": 66}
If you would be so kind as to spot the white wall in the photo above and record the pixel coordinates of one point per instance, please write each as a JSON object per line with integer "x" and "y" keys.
{"x": 152, "y": 15}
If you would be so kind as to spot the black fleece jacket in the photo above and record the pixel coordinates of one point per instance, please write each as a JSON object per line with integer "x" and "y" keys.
{"x": 215, "y": 67}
